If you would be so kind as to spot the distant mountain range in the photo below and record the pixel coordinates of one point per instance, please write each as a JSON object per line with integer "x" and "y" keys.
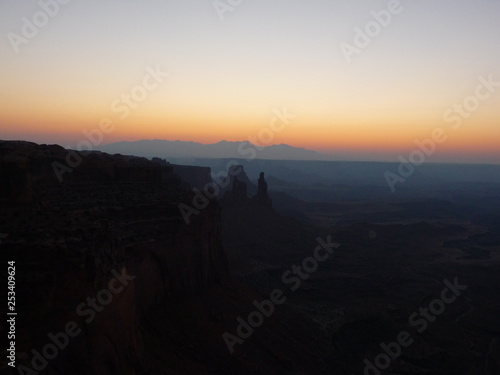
{"x": 222, "y": 149}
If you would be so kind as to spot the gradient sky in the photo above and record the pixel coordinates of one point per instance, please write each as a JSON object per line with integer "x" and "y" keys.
{"x": 227, "y": 76}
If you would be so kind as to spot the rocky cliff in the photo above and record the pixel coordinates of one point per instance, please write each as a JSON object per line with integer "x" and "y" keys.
{"x": 111, "y": 280}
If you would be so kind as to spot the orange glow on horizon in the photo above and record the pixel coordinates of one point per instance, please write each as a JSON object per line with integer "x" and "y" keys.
{"x": 348, "y": 131}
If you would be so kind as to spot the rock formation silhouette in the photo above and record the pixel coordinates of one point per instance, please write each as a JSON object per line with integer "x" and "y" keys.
{"x": 239, "y": 190}
{"x": 262, "y": 197}
{"x": 242, "y": 192}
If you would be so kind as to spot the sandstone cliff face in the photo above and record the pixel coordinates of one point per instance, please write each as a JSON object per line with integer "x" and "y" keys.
{"x": 110, "y": 213}
{"x": 117, "y": 217}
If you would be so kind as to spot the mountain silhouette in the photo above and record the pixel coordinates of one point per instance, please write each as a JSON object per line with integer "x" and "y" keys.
{"x": 222, "y": 149}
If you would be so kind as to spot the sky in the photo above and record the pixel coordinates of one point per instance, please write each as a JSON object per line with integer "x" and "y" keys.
{"x": 223, "y": 69}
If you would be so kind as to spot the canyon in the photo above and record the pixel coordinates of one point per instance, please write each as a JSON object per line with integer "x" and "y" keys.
{"x": 116, "y": 214}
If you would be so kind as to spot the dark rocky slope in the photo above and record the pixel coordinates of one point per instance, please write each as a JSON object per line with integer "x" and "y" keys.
{"x": 118, "y": 215}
